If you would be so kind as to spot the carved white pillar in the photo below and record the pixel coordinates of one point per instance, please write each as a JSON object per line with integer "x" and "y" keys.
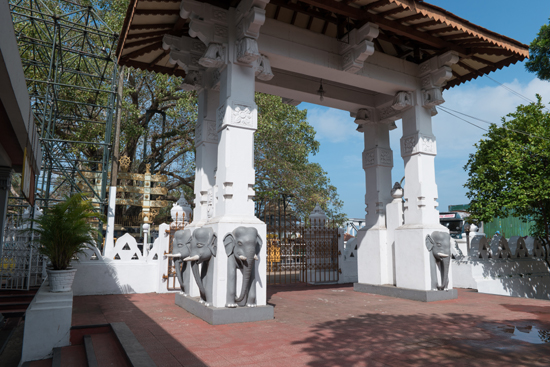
{"x": 5, "y": 184}
{"x": 206, "y": 156}
{"x": 418, "y": 149}
{"x": 374, "y": 255}
{"x": 232, "y": 61}
{"x": 372, "y": 251}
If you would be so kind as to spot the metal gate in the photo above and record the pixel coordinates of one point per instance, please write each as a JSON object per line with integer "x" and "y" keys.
{"x": 298, "y": 251}
{"x": 172, "y": 284}
{"x": 21, "y": 264}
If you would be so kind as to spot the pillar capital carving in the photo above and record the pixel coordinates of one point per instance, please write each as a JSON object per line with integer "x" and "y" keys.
{"x": 358, "y": 48}
{"x": 205, "y": 132}
{"x": 434, "y": 74}
{"x": 418, "y": 144}
{"x": 237, "y": 114}
{"x": 377, "y": 157}
{"x": 386, "y": 113}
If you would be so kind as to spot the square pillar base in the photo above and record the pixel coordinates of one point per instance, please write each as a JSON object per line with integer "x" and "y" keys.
{"x": 412, "y": 294}
{"x": 223, "y": 315}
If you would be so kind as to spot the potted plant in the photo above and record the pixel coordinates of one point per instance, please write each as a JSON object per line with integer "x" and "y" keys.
{"x": 65, "y": 230}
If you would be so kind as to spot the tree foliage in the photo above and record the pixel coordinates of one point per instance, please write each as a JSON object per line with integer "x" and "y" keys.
{"x": 509, "y": 174}
{"x": 539, "y": 54}
{"x": 282, "y": 146}
{"x": 283, "y": 143}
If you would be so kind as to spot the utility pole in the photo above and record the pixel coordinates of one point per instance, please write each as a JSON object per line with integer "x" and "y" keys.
{"x": 109, "y": 237}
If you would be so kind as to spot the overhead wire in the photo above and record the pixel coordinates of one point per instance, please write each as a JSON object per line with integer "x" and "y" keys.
{"x": 446, "y": 110}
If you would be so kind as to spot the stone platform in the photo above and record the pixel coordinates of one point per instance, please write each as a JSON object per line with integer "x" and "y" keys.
{"x": 412, "y": 294}
{"x": 335, "y": 326}
{"x": 222, "y": 316}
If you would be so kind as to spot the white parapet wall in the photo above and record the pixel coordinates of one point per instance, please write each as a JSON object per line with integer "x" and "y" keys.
{"x": 47, "y": 323}
{"x": 123, "y": 269}
{"x": 348, "y": 261}
{"x": 504, "y": 268}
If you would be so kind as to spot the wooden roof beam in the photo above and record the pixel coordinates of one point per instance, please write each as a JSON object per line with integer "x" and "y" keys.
{"x": 394, "y": 26}
{"x": 490, "y": 51}
{"x": 388, "y": 13}
{"x": 145, "y": 35}
{"x": 425, "y": 24}
{"x": 157, "y": 12}
{"x": 156, "y": 68}
{"x": 142, "y": 51}
{"x": 411, "y": 18}
{"x": 142, "y": 42}
{"x": 150, "y": 26}
{"x": 376, "y": 4}
{"x": 485, "y": 70}
{"x": 298, "y": 8}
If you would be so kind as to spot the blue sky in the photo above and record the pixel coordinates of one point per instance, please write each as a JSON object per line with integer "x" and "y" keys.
{"x": 341, "y": 145}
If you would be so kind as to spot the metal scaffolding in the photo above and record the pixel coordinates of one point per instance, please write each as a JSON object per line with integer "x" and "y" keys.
{"x": 68, "y": 58}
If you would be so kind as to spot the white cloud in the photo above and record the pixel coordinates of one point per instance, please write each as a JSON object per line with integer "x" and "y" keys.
{"x": 331, "y": 125}
{"x": 455, "y": 140}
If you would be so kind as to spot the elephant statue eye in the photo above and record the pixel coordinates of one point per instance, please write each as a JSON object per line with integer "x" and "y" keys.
{"x": 240, "y": 243}
{"x": 199, "y": 245}
{"x": 438, "y": 244}
{"x": 180, "y": 244}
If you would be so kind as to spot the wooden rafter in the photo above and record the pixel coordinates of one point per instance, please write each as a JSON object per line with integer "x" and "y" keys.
{"x": 376, "y": 4}
{"x": 483, "y": 71}
{"x": 157, "y": 12}
{"x": 150, "y": 26}
{"x": 491, "y": 51}
{"x": 394, "y": 26}
{"x": 391, "y": 12}
{"x": 143, "y": 42}
{"x": 410, "y": 18}
{"x": 155, "y": 68}
{"x": 159, "y": 57}
{"x": 142, "y": 51}
{"x": 145, "y": 35}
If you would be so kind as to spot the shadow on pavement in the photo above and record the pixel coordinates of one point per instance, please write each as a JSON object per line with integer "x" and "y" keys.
{"x": 419, "y": 340}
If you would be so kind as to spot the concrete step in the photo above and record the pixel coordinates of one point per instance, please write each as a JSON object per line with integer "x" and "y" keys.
{"x": 108, "y": 350}
{"x": 6, "y": 306}
{"x": 16, "y": 297}
{"x": 72, "y": 356}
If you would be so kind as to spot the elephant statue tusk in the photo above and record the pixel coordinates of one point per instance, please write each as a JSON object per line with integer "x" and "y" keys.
{"x": 256, "y": 257}
{"x": 173, "y": 255}
{"x": 191, "y": 258}
{"x": 242, "y": 257}
{"x": 442, "y": 255}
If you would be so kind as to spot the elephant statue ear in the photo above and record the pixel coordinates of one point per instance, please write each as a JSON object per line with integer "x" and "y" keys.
{"x": 229, "y": 243}
{"x": 429, "y": 242}
{"x": 214, "y": 244}
{"x": 258, "y": 244}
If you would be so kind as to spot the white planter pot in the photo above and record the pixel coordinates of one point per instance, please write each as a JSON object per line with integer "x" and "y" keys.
{"x": 61, "y": 280}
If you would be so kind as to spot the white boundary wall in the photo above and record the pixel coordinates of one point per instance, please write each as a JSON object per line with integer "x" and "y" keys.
{"x": 132, "y": 273}
{"x": 514, "y": 269}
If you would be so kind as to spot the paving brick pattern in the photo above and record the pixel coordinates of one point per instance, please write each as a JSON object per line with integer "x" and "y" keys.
{"x": 334, "y": 326}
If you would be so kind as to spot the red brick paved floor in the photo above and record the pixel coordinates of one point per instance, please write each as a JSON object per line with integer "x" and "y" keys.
{"x": 334, "y": 326}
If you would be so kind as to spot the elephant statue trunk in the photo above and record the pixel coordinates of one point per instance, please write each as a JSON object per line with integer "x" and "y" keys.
{"x": 202, "y": 247}
{"x": 196, "y": 274}
{"x": 439, "y": 244}
{"x": 248, "y": 266}
{"x": 242, "y": 247}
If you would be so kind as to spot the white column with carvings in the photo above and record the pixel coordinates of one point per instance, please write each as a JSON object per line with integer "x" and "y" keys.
{"x": 372, "y": 249}
{"x": 206, "y": 156}
{"x": 233, "y": 59}
{"x": 418, "y": 149}
{"x": 374, "y": 254}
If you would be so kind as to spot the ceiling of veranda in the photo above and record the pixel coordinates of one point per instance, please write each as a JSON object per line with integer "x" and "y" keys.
{"x": 409, "y": 29}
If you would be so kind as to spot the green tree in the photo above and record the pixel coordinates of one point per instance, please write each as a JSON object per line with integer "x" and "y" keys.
{"x": 509, "y": 174}
{"x": 282, "y": 146}
{"x": 539, "y": 54}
